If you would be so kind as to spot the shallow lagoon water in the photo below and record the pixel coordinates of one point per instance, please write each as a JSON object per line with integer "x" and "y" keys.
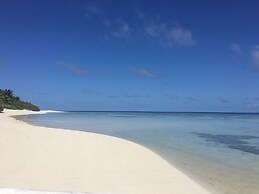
{"x": 219, "y": 150}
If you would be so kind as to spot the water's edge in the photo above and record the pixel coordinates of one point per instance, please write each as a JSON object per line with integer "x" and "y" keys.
{"x": 208, "y": 172}
{"x": 191, "y": 176}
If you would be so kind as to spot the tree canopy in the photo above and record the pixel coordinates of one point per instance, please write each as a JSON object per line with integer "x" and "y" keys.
{"x": 9, "y": 100}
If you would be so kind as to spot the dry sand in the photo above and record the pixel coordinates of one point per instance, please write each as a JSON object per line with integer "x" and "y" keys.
{"x": 48, "y": 159}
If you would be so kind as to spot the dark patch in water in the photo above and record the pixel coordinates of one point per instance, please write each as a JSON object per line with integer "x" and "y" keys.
{"x": 232, "y": 141}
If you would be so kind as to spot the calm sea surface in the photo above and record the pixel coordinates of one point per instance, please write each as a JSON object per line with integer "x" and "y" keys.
{"x": 219, "y": 150}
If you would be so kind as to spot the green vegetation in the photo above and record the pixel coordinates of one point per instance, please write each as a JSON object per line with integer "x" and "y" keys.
{"x": 10, "y": 101}
{"x": 1, "y": 106}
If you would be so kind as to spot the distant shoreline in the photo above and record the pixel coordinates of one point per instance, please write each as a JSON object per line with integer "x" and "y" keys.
{"x": 178, "y": 112}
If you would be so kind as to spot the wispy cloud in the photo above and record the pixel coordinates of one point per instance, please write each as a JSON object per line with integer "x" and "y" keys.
{"x": 255, "y": 56}
{"x": 73, "y": 69}
{"x": 92, "y": 11}
{"x": 143, "y": 73}
{"x": 121, "y": 29}
{"x": 140, "y": 14}
{"x": 127, "y": 95}
{"x": 181, "y": 99}
{"x": 118, "y": 27}
{"x": 166, "y": 33}
{"x": 155, "y": 30}
{"x": 107, "y": 22}
{"x": 235, "y": 48}
{"x": 134, "y": 95}
{"x": 169, "y": 34}
{"x": 251, "y": 102}
{"x": 181, "y": 36}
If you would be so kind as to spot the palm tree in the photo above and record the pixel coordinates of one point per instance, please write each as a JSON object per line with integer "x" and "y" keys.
{"x": 8, "y": 96}
{"x": 10, "y": 101}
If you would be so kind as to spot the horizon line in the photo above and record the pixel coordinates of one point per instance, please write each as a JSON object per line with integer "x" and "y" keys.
{"x": 146, "y": 111}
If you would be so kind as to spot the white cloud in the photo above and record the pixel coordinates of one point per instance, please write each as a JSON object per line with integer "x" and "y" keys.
{"x": 107, "y": 23}
{"x": 92, "y": 11}
{"x": 127, "y": 95}
{"x": 236, "y": 48}
{"x": 165, "y": 33}
{"x": 251, "y": 102}
{"x": 135, "y": 95}
{"x": 122, "y": 29}
{"x": 140, "y": 14}
{"x": 142, "y": 73}
{"x": 155, "y": 30}
{"x": 255, "y": 56}
{"x": 112, "y": 95}
{"x": 73, "y": 69}
{"x": 169, "y": 34}
{"x": 181, "y": 36}
{"x": 118, "y": 27}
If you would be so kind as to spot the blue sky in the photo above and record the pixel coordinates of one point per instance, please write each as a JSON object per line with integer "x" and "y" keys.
{"x": 136, "y": 55}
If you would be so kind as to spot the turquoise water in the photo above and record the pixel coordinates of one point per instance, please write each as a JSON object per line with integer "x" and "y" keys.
{"x": 219, "y": 150}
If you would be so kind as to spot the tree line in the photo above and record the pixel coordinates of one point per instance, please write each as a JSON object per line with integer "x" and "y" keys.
{"x": 10, "y": 101}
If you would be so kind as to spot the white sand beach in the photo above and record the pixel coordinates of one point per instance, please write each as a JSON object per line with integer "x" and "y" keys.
{"x": 49, "y": 159}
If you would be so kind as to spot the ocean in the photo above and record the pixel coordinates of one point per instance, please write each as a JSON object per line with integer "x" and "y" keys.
{"x": 218, "y": 150}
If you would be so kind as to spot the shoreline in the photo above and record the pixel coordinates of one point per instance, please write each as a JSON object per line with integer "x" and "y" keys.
{"x": 52, "y": 159}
